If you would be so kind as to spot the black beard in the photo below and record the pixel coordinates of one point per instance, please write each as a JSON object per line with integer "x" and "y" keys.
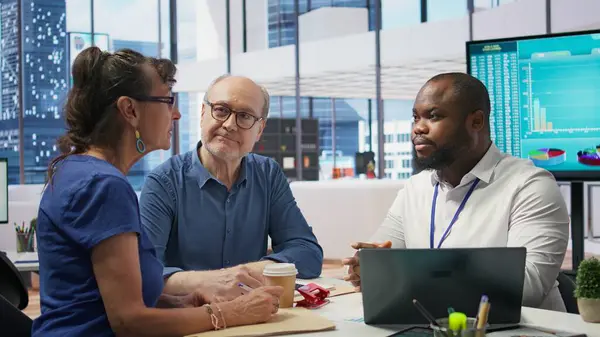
{"x": 439, "y": 159}
{"x": 443, "y": 156}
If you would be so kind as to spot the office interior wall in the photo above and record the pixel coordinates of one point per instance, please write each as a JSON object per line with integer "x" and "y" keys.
{"x": 572, "y": 15}
{"x": 526, "y": 17}
{"x": 331, "y": 22}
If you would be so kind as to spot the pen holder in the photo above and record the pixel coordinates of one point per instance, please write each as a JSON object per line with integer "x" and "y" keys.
{"x": 443, "y": 331}
{"x": 25, "y": 242}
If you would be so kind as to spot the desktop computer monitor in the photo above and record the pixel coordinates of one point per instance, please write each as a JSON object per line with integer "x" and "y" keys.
{"x": 3, "y": 191}
{"x": 545, "y": 96}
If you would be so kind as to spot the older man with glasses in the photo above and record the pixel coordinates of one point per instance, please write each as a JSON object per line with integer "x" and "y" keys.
{"x": 209, "y": 212}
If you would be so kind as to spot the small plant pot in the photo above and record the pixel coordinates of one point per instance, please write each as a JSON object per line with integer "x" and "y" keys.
{"x": 589, "y": 309}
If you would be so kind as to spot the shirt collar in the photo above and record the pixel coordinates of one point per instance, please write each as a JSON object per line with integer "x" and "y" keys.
{"x": 202, "y": 175}
{"x": 483, "y": 170}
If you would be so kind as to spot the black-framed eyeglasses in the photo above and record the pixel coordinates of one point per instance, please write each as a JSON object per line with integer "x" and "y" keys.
{"x": 221, "y": 112}
{"x": 170, "y": 100}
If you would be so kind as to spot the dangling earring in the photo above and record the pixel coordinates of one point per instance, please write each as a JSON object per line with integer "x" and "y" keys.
{"x": 139, "y": 143}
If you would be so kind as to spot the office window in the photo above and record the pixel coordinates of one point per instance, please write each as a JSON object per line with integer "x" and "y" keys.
{"x": 443, "y": 9}
{"x": 190, "y": 107}
{"x": 133, "y": 24}
{"x": 399, "y": 13}
{"x": 398, "y": 115}
{"x": 406, "y": 163}
{"x": 281, "y": 21}
{"x": 10, "y": 81}
{"x": 487, "y": 4}
{"x": 45, "y": 81}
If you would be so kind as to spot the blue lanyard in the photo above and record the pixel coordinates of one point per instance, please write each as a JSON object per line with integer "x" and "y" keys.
{"x": 460, "y": 208}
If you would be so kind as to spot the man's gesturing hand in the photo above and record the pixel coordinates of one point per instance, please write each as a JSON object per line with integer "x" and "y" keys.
{"x": 354, "y": 265}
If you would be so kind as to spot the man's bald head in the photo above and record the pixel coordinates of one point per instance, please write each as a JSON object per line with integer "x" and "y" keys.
{"x": 466, "y": 92}
{"x": 241, "y": 81}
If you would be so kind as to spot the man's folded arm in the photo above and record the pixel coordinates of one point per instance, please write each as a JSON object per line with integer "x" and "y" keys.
{"x": 292, "y": 238}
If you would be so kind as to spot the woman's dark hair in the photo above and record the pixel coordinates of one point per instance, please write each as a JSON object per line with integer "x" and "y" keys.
{"x": 99, "y": 79}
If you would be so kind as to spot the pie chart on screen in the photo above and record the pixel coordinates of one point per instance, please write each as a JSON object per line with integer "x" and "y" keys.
{"x": 547, "y": 157}
{"x": 590, "y": 157}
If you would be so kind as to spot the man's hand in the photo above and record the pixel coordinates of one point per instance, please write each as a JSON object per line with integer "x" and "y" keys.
{"x": 354, "y": 265}
{"x": 225, "y": 286}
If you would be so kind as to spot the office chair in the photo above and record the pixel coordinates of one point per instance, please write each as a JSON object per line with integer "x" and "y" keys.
{"x": 566, "y": 286}
{"x": 13, "y": 299}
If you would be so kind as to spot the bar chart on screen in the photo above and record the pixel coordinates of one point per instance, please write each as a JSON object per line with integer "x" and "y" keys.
{"x": 559, "y": 95}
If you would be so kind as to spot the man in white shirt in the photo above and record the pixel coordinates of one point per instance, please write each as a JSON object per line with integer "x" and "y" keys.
{"x": 506, "y": 201}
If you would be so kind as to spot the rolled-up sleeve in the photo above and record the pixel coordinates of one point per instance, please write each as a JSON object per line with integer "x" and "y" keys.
{"x": 157, "y": 210}
{"x": 540, "y": 223}
{"x": 292, "y": 238}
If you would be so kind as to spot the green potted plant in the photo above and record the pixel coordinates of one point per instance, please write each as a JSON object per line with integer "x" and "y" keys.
{"x": 587, "y": 290}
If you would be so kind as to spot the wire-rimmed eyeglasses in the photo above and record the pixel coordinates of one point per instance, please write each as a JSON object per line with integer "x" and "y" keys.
{"x": 243, "y": 119}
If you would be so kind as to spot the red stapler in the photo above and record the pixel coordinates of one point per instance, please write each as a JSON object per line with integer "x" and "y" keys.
{"x": 314, "y": 296}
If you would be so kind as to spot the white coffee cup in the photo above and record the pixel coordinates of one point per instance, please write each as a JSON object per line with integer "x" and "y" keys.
{"x": 284, "y": 275}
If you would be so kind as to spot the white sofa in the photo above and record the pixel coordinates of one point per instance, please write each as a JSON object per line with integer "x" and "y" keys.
{"x": 344, "y": 211}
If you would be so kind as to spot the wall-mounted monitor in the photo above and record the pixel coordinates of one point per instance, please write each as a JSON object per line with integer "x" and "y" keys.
{"x": 3, "y": 191}
{"x": 545, "y": 95}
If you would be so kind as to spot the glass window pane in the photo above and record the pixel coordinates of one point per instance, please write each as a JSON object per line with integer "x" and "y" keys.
{"x": 79, "y": 16}
{"x": 398, "y": 144}
{"x": 400, "y": 13}
{"x": 190, "y": 107}
{"x": 444, "y": 9}
{"x": 132, "y": 24}
{"x": 186, "y": 31}
{"x": 487, "y": 4}
{"x": 45, "y": 80}
{"x": 10, "y": 81}
{"x": 165, "y": 29}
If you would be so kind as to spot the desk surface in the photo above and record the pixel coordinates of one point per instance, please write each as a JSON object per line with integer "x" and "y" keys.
{"x": 346, "y": 311}
{"x": 24, "y": 261}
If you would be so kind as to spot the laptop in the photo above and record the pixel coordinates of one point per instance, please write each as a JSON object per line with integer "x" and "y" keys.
{"x": 440, "y": 279}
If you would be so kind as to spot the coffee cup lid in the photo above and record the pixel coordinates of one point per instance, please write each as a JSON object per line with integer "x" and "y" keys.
{"x": 280, "y": 269}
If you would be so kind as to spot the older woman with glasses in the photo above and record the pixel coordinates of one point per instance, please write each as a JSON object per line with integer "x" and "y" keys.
{"x": 99, "y": 274}
{"x": 210, "y": 212}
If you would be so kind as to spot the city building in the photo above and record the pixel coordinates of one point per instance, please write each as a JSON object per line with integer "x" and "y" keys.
{"x": 34, "y": 74}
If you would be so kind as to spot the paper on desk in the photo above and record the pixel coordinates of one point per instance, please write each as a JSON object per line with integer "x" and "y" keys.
{"x": 287, "y": 321}
{"x": 322, "y": 285}
{"x": 349, "y": 314}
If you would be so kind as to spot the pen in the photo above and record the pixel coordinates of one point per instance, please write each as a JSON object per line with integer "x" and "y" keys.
{"x": 482, "y": 314}
{"x": 425, "y": 313}
{"x": 245, "y": 287}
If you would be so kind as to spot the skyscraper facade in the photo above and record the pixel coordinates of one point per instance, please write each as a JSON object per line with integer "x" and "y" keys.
{"x": 37, "y": 78}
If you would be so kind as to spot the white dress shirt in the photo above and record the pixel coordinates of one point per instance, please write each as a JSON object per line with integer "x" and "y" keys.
{"x": 515, "y": 204}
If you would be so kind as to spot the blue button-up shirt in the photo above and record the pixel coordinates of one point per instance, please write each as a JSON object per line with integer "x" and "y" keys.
{"x": 195, "y": 223}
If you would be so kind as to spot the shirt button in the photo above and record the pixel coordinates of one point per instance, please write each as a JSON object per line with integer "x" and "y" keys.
{"x": 228, "y": 199}
{"x": 228, "y": 230}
